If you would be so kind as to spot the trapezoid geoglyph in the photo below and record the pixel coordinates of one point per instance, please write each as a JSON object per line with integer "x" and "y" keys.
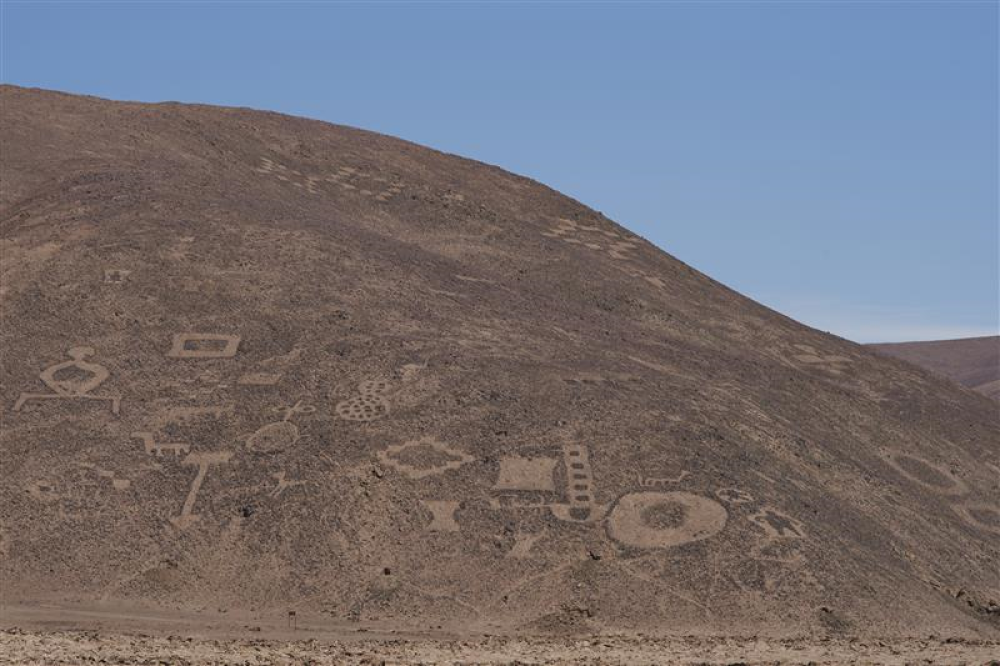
{"x": 443, "y": 515}
{"x": 527, "y": 474}
{"x": 204, "y": 345}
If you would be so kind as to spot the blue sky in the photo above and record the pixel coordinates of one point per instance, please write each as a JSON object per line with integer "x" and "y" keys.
{"x": 835, "y": 161}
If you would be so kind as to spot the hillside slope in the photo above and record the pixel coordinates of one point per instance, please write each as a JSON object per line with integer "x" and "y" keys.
{"x": 256, "y": 362}
{"x": 972, "y": 362}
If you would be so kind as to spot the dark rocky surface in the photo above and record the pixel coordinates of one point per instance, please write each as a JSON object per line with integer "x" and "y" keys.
{"x": 258, "y": 363}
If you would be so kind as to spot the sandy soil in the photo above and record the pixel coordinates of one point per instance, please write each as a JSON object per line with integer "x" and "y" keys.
{"x": 84, "y": 647}
{"x": 55, "y": 634}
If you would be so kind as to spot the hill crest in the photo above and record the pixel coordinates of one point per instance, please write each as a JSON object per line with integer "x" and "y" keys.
{"x": 261, "y": 362}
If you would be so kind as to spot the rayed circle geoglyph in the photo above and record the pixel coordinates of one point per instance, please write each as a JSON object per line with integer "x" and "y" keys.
{"x": 664, "y": 520}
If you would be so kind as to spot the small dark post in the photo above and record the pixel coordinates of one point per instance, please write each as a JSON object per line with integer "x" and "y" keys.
{"x": 293, "y": 621}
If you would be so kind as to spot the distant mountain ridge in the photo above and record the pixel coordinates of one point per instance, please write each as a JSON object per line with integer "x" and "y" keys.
{"x": 972, "y": 362}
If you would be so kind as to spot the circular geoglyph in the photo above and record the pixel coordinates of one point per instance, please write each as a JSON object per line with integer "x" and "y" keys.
{"x": 664, "y": 520}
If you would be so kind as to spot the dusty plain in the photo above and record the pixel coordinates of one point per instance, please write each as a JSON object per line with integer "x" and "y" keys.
{"x": 46, "y": 635}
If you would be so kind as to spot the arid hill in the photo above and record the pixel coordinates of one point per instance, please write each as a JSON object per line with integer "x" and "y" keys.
{"x": 260, "y": 364}
{"x": 972, "y": 362}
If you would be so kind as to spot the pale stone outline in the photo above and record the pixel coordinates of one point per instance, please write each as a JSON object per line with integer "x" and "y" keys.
{"x": 443, "y": 512}
{"x": 151, "y": 447}
{"x": 580, "y": 506}
{"x": 965, "y": 511}
{"x": 956, "y": 485}
{"x": 203, "y": 460}
{"x": 419, "y": 473}
{"x": 118, "y": 483}
{"x": 369, "y": 404}
{"x": 760, "y": 519}
{"x": 734, "y": 496}
{"x": 518, "y": 473}
{"x": 659, "y": 481}
{"x": 289, "y": 431}
{"x": 523, "y": 543}
{"x": 72, "y": 389}
{"x": 704, "y": 517}
{"x": 284, "y": 483}
{"x": 178, "y": 349}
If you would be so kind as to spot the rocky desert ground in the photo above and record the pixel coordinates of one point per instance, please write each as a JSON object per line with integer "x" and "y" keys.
{"x": 254, "y": 364}
{"x": 90, "y": 647}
